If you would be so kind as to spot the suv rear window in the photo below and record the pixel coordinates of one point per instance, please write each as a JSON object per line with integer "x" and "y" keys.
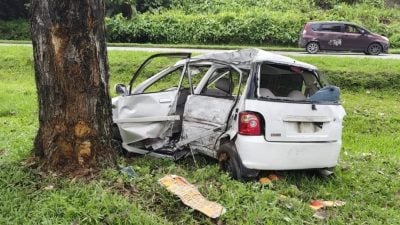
{"x": 332, "y": 27}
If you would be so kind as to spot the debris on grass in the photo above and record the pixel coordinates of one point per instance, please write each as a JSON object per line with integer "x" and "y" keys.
{"x": 320, "y": 214}
{"x": 49, "y": 187}
{"x": 273, "y": 177}
{"x": 319, "y": 204}
{"x": 268, "y": 179}
{"x": 190, "y": 196}
{"x": 264, "y": 180}
{"x": 129, "y": 171}
{"x": 316, "y": 205}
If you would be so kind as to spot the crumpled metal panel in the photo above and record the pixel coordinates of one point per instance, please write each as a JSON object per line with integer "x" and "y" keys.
{"x": 207, "y": 109}
{"x": 144, "y": 105}
{"x": 203, "y": 113}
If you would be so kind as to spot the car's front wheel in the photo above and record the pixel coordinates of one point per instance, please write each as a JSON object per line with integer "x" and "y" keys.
{"x": 229, "y": 161}
{"x": 312, "y": 47}
{"x": 374, "y": 49}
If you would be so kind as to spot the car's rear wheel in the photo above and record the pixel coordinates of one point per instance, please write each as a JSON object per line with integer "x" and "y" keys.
{"x": 374, "y": 49}
{"x": 229, "y": 162}
{"x": 312, "y": 47}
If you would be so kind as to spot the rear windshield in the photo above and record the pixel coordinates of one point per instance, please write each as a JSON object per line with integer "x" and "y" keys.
{"x": 287, "y": 83}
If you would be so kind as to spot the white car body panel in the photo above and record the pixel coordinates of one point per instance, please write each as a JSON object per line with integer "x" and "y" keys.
{"x": 151, "y": 112}
{"x": 298, "y": 122}
{"x": 256, "y": 153}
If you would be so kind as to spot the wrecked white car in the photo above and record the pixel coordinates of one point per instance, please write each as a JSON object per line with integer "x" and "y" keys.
{"x": 250, "y": 109}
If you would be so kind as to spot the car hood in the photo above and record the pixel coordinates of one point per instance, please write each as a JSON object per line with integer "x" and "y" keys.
{"x": 381, "y": 37}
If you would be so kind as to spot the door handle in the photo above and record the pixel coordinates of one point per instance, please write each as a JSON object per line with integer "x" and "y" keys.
{"x": 165, "y": 100}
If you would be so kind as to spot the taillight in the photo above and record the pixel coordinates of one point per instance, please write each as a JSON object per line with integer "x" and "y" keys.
{"x": 249, "y": 123}
{"x": 305, "y": 29}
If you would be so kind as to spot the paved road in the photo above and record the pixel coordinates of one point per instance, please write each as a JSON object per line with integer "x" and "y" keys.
{"x": 333, "y": 54}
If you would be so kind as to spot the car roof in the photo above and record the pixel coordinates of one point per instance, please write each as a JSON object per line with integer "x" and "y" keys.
{"x": 344, "y": 22}
{"x": 244, "y": 58}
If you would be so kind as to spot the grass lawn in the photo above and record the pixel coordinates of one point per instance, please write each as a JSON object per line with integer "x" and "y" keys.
{"x": 367, "y": 178}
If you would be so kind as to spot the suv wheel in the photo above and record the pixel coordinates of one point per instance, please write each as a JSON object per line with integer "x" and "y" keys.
{"x": 312, "y": 47}
{"x": 229, "y": 161}
{"x": 374, "y": 49}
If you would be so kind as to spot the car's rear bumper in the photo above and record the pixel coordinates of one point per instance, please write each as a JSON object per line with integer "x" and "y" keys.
{"x": 256, "y": 153}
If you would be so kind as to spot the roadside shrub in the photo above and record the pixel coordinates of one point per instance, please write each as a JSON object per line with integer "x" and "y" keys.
{"x": 356, "y": 80}
{"x": 14, "y": 30}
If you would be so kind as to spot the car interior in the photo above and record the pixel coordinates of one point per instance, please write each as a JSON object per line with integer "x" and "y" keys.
{"x": 286, "y": 83}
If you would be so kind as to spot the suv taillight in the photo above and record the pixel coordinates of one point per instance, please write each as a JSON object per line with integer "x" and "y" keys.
{"x": 305, "y": 29}
{"x": 249, "y": 123}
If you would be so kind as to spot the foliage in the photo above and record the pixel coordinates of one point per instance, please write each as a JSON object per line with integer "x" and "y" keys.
{"x": 366, "y": 178}
{"x": 14, "y": 30}
{"x": 13, "y": 9}
{"x": 246, "y": 22}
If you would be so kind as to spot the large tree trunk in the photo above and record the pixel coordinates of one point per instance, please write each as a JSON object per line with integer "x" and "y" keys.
{"x": 71, "y": 72}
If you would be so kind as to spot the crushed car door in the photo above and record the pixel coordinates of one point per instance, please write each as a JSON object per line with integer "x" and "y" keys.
{"x": 207, "y": 112}
{"x": 150, "y": 113}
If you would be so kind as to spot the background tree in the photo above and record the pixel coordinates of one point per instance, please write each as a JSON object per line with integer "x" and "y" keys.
{"x": 71, "y": 72}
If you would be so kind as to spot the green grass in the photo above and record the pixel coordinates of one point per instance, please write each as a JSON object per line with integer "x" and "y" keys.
{"x": 367, "y": 177}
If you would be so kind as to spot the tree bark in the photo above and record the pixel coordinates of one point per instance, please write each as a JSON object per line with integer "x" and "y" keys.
{"x": 71, "y": 73}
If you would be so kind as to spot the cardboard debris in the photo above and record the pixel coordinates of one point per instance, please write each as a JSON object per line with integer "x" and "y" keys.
{"x": 316, "y": 204}
{"x": 190, "y": 196}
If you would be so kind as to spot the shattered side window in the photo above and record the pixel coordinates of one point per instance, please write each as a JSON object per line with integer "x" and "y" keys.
{"x": 197, "y": 73}
{"x": 169, "y": 81}
{"x": 222, "y": 83}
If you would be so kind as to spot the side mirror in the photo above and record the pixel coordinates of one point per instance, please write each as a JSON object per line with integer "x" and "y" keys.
{"x": 121, "y": 89}
{"x": 362, "y": 32}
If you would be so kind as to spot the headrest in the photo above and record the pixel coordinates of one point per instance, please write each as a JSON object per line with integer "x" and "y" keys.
{"x": 266, "y": 93}
{"x": 296, "y": 95}
{"x": 224, "y": 85}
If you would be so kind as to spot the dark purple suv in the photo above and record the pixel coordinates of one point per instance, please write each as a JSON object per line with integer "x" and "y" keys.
{"x": 341, "y": 36}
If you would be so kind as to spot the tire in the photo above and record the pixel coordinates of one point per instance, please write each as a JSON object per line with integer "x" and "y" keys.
{"x": 230, "y": 162}
{"x": 312, "y": 47}
{"x": 374, "y": 49}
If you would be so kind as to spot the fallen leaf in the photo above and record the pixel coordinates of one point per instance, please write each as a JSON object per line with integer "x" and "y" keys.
{"x": 264, "y": 180}
{"x": 49, "y": 187}
{"x": 320, "y": 214}
{"x": 273, "y": 177}
{"x": 316, "y": 205}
